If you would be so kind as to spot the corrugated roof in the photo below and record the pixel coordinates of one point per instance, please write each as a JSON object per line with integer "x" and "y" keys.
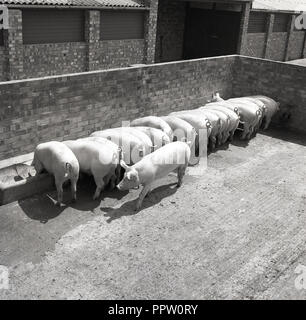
{"x": 76, "y": 3}
{"x": 280, "y": 5}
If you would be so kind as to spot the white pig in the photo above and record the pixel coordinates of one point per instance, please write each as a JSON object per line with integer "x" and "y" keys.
{"x": 95, "y": 159}
{"x": 59, "y": 160}
{"x": 153, "y": 122}
{"x": 154, "y": 166}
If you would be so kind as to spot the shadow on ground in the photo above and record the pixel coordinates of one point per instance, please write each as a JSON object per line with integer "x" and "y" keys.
{"x": 43, "y": 207}
{"x": 128, "y": 208}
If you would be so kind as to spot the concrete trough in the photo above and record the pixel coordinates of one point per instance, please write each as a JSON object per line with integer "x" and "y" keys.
{"x": 16, "y": 185}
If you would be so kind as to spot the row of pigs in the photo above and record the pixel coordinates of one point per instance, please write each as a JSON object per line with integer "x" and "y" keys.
{"x": 151, "y": 147}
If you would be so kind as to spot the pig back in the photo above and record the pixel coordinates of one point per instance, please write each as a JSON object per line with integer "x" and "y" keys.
{"x": 53, "y": 156}
{"x": 132, "y": 147}
{"x": 154, "y": 122}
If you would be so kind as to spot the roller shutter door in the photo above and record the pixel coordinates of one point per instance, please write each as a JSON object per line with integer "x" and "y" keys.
{"x": 116, "y": 25}
{"x": 257, "y": 22}
{"x": 281, "y": 21}
{"x": 52, "y": 26}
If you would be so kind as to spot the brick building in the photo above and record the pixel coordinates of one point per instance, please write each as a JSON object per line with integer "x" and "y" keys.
{"x": 204, "y": 28}
{"x": 50, "y": 37}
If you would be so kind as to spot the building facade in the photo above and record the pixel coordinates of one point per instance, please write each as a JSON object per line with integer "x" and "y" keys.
{"x": 54, "y": 37}
{"x": 79, "y": 35}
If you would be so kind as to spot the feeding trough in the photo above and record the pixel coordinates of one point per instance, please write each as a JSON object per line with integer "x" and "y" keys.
{"x": 18, "y": 181}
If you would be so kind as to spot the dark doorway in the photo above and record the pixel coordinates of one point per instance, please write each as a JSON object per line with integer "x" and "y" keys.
{"x": 210, "y": 33}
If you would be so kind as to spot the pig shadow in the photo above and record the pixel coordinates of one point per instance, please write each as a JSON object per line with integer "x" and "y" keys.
{"x": 85, "y": 191}
{"x": 42, "y": 207}
{"x": 128, "y": 208}
{"x": 238, "y": 142}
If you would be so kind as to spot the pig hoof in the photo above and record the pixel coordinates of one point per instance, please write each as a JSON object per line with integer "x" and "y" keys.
{"x": 58, "y": 204}
{"x": 73, "y": 200}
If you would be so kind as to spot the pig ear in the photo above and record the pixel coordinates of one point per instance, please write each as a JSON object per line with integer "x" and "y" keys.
{"x": 124, "y": 165}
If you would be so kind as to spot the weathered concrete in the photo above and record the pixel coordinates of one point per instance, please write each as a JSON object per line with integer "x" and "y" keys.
{"x": 236, "y": 232}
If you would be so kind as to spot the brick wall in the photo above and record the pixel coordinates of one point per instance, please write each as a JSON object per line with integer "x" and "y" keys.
{"x": 276, "y": 47}
{"x": 2, "y": 64}
{"x": 296, "y": 45}
{"x": 255, "y": 45}
{"x": 37, "y": 60}
{"x": 281, "y": 81}
{"x": 170, "y": 30}
{"x": 120, "y": 53}
{"x": 71, "y": 106}
{"x": 55, "y": 58}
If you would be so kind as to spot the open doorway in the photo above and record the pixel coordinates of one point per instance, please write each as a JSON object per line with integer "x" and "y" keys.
{"x": 210, "y": 32}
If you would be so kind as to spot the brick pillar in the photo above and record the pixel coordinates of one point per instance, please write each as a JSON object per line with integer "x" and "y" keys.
{"x": 289, "y": 36}
{"x": 13, "y": 46}
{"x": 304, "y": 48}
{"x": 269, "y": 30}
{"x": 92, "y": 38}
{"x": 150, "y": 31}
{"x": 243, "y": 30}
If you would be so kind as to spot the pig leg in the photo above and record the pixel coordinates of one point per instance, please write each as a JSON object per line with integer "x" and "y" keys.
{"x": 267, "y": 123}
{"x": 180, "y": 175}
{"x": 249, "y": 135}
{"x": 73, "y": 189}
{"x": 100, "y": 185}
{"x": 59, "y": 188}
{"x": 213, "y": 141}
{"x": 142, "y": 195}
{"x": 220, "y": 138}
{"x": 231, "y": 137}
{"x": 246, "y": 130}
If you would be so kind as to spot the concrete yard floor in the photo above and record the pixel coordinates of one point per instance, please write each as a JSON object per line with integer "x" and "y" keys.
{"x": 236, "y": 232}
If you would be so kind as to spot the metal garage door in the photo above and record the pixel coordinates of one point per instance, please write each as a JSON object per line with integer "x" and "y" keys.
{"x": 52, "y": 26}
{"x": 123, "y": 24}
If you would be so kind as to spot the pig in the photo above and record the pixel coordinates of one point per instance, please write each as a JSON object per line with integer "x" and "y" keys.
{"x": 114, "y": 180}
{"x": 215, "y": 97}
{"x": 250, "y": 115}
{"x": 233, "y": 116}
{"x": 56, "y": 158}
{"x": 224, "y": 125}
{"x": 182, "y": 131}
{"x": 201, "y": 124}
{"x": 224, "y": 104}
{"x": 258, "y": 103}
{"x": 147, "y": 142}
{"x": 172, "y": 156}
{"x": 271, "y": 108}
{"x": 157, "y": 136}
{"x": 154, "y": 122}
{"x": 213, "y": 119}
{"x": 133, "y": 149}
{"x": 96, "y": 159}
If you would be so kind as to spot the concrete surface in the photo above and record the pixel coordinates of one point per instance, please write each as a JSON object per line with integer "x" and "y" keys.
{"x": 300, "y": 62}
{"x": 237, "y": 232}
